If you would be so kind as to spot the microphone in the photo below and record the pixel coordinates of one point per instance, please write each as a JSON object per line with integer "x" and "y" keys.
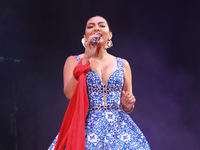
{"x": 95, "y": 40}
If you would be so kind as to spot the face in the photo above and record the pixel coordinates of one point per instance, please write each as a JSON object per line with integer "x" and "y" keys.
{"x": 99, "y": 25}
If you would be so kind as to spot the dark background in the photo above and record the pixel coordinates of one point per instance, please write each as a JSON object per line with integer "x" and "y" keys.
{"x": 160, "y": 39}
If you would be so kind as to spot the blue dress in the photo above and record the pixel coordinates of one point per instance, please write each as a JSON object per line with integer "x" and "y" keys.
{"x": 107, "y": 127}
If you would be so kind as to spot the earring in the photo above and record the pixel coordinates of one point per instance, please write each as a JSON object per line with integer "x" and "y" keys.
{"x": 83, "y": 42}
{"x": 109, "y": 44}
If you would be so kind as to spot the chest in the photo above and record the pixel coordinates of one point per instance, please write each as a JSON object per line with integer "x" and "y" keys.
{"x": 104, "y": 69}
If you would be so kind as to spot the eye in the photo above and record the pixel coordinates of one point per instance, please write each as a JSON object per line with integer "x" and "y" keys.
{"x": 89, "y": 27}
{"x": 102, "y": 26}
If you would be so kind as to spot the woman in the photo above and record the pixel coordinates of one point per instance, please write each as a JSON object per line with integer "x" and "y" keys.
{"x": 109, "y": 89}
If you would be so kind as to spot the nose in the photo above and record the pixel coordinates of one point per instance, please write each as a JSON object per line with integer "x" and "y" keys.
{"x": 96, "y": 28}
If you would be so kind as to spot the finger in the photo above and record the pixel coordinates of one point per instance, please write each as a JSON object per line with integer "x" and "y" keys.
{"x": 126, "y": 94}
{"x": 123, "y": 97}
{"x": 123, "y": 94}
{"x": 130, "y": 95}
{"x": 91, "y": 37}
{"x": 132, "y": 100}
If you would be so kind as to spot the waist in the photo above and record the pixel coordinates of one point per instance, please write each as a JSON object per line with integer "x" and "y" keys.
{"x": 104, "y": 107}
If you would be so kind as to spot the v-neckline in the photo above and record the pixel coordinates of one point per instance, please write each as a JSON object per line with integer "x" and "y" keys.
{"x": 110, "y": 75}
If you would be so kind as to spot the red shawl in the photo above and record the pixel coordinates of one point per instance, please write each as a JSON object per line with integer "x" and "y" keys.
{"x": 72, "y": 131}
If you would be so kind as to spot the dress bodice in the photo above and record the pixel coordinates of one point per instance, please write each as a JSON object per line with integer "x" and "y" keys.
{"x": 96, "y": 88}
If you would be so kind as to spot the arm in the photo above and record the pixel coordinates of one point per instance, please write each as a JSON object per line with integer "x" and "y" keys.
{"x": 68, "y": 77}
{"x": 127, "y": 99}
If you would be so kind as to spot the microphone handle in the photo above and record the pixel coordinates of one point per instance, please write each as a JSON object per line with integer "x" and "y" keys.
{"x": 95, "y": 40}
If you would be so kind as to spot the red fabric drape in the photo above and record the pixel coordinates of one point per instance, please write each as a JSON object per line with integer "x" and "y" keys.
{"x": 72, "y": 131}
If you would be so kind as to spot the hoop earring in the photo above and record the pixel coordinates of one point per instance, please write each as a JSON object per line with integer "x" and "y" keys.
{"x": 83, "y": 42}
{"x": 109, "y": 44}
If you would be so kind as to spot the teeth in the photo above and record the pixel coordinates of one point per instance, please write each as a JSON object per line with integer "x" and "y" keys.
{"x": 98, "y": 34}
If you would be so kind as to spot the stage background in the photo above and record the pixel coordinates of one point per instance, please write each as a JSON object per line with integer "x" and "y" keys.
{"x": 160, "y": 39}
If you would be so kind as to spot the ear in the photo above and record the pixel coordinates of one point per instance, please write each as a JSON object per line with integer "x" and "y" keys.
{"x": 85, "y": 37}
{"x": 110, "y": 35}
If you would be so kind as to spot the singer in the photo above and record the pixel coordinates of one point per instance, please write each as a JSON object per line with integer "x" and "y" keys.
{"x": 99, "y": 87}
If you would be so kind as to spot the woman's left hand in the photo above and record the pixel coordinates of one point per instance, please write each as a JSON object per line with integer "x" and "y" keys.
{"x": 127, "y": 100}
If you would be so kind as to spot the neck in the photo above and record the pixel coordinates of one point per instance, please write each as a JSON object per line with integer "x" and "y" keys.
{"x": 100, "y": 53}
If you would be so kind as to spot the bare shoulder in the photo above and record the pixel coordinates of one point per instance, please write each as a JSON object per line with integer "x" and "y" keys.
{"x": 81, "y": 55}
{"x": 72, "y": 60}
{"x": 126, "y": 63}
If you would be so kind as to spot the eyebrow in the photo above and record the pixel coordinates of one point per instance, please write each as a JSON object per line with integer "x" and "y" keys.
{"x": 94, "y": 23}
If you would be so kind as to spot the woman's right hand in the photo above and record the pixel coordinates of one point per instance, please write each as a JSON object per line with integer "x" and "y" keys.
{"x": 90, "y": 49}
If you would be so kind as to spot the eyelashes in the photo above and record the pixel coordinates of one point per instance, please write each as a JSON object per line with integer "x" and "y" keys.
{"x": 102, "y": 26}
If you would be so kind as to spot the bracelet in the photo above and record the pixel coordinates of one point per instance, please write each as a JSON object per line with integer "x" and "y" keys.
{"x": 122, "y": 107}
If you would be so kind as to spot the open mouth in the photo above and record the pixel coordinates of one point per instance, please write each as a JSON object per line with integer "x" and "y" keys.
{"x": 98, "y": 34}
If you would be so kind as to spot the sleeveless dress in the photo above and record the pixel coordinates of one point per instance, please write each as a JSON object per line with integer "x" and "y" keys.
{"x": 107, "y": 127}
